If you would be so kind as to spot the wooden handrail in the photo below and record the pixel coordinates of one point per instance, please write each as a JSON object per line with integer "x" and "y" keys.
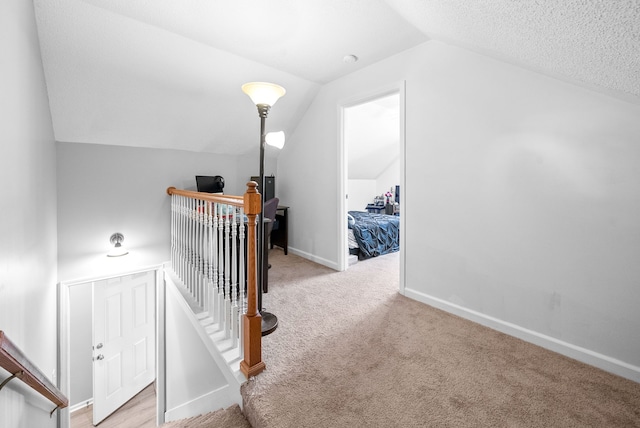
{"x": 219, "y": 198}
{"x": 252, "y": 363}
{"x": 15, "y": 362}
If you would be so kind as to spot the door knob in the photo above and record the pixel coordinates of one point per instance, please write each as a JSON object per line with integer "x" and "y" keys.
{"x": 99, "y": 345}
{"x": 100, "y": 357}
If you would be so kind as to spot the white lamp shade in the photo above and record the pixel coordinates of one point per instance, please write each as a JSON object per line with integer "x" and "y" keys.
{"x": 275, "y": 139}
{"x": 263, "y": 93}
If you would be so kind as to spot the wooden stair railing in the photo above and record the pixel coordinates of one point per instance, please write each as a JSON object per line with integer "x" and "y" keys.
{"x": 252, "y": 363}
{"x": 15, "y": 362}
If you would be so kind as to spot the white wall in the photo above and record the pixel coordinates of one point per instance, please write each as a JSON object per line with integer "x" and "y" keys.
{"x": 361, "y": 193}
{"x": 27, "y": 213}
{"x": 195, "y": 382}
{"x": 389, "y": 178}
{"x": 80, "y": 344}
{"x": 248, "y": 165}
{"x": 107, "y": 189}
{"x": 522, "y": 198}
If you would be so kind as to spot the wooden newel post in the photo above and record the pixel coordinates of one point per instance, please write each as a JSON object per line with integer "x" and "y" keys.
{"x": 252, "y": 363}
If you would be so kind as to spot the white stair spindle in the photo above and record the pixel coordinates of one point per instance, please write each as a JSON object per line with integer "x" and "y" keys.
{"x": 234, "y": 278}
{"x": 220, "y": 308}
{"x": 227, "y": 275}
{"x": 208, "y": 256}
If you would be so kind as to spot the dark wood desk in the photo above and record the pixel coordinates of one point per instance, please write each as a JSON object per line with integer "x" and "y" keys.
{"x": 376, "y": 209}
{"x": 280, "y": 236}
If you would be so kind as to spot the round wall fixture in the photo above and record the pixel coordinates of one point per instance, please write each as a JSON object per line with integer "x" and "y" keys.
{"x": 118, "y": 250}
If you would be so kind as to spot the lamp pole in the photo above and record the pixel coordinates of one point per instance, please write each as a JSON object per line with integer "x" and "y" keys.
{"x": 264, "y": 96}
{"x": 269, "y": 320}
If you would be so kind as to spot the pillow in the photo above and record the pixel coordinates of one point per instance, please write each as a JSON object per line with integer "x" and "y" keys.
{"x": 351, "y": 221}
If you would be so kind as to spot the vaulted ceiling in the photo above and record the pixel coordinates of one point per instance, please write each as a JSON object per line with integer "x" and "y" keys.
{"x": 167, "y": 73}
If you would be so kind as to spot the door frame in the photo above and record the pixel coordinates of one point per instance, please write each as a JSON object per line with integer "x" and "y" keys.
{"x": 342, "y": 251}
{"x": 64, "y": 337}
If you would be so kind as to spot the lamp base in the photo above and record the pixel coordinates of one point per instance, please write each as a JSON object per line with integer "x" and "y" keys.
{"x": 269, "y": 323}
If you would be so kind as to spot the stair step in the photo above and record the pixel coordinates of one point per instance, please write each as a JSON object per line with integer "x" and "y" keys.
{"x": 224, "y": 345}
{"x": 231, "y": 417}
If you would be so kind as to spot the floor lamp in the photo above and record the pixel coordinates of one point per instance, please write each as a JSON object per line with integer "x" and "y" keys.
{"x": 264, "y": 95}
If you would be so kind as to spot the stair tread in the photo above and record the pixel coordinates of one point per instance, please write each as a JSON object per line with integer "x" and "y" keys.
{"x": 231, "y": 417}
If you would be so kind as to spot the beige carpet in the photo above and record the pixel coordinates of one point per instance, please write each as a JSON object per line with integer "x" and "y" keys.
{"x": 351, "y": 352}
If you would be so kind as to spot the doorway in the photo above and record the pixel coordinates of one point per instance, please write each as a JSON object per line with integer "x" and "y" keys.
{"x": 372, "y": 159}
{"x": 130, "y": 305}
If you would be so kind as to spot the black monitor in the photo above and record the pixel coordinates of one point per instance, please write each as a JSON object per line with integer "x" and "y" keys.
{"x": 269, "y": 186}
{"x": 210, "y": 183}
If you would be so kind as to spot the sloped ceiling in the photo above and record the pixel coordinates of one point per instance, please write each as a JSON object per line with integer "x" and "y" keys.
{"x": 167, "y": 73}
{"x": 372, "y": 137}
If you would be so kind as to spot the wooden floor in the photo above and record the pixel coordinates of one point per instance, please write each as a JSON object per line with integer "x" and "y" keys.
{"x": 140, "y": 412}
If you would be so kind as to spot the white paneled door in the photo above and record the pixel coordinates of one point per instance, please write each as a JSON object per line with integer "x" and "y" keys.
{"x": 123, "y": 340}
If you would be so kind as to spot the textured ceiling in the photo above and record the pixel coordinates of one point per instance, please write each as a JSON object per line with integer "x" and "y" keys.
{"x": 595, "y": 42}
{"x": 167, "y": 73}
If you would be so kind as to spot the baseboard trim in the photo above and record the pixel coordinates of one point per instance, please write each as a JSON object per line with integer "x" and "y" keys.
{"x": 203, "y": 404}
{"x": 584, "y": 355}
{"x": 314, "y": 258}
{"x": 81, "y": 405}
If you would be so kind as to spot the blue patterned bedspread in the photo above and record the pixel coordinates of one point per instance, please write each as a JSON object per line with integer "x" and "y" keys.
{"x": 376, "y": 234}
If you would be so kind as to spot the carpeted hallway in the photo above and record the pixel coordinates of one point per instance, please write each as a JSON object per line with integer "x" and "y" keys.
{"x": 352, "y": 352}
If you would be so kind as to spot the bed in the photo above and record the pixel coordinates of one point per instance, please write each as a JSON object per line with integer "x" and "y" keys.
{"x": 373, "y": 234}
